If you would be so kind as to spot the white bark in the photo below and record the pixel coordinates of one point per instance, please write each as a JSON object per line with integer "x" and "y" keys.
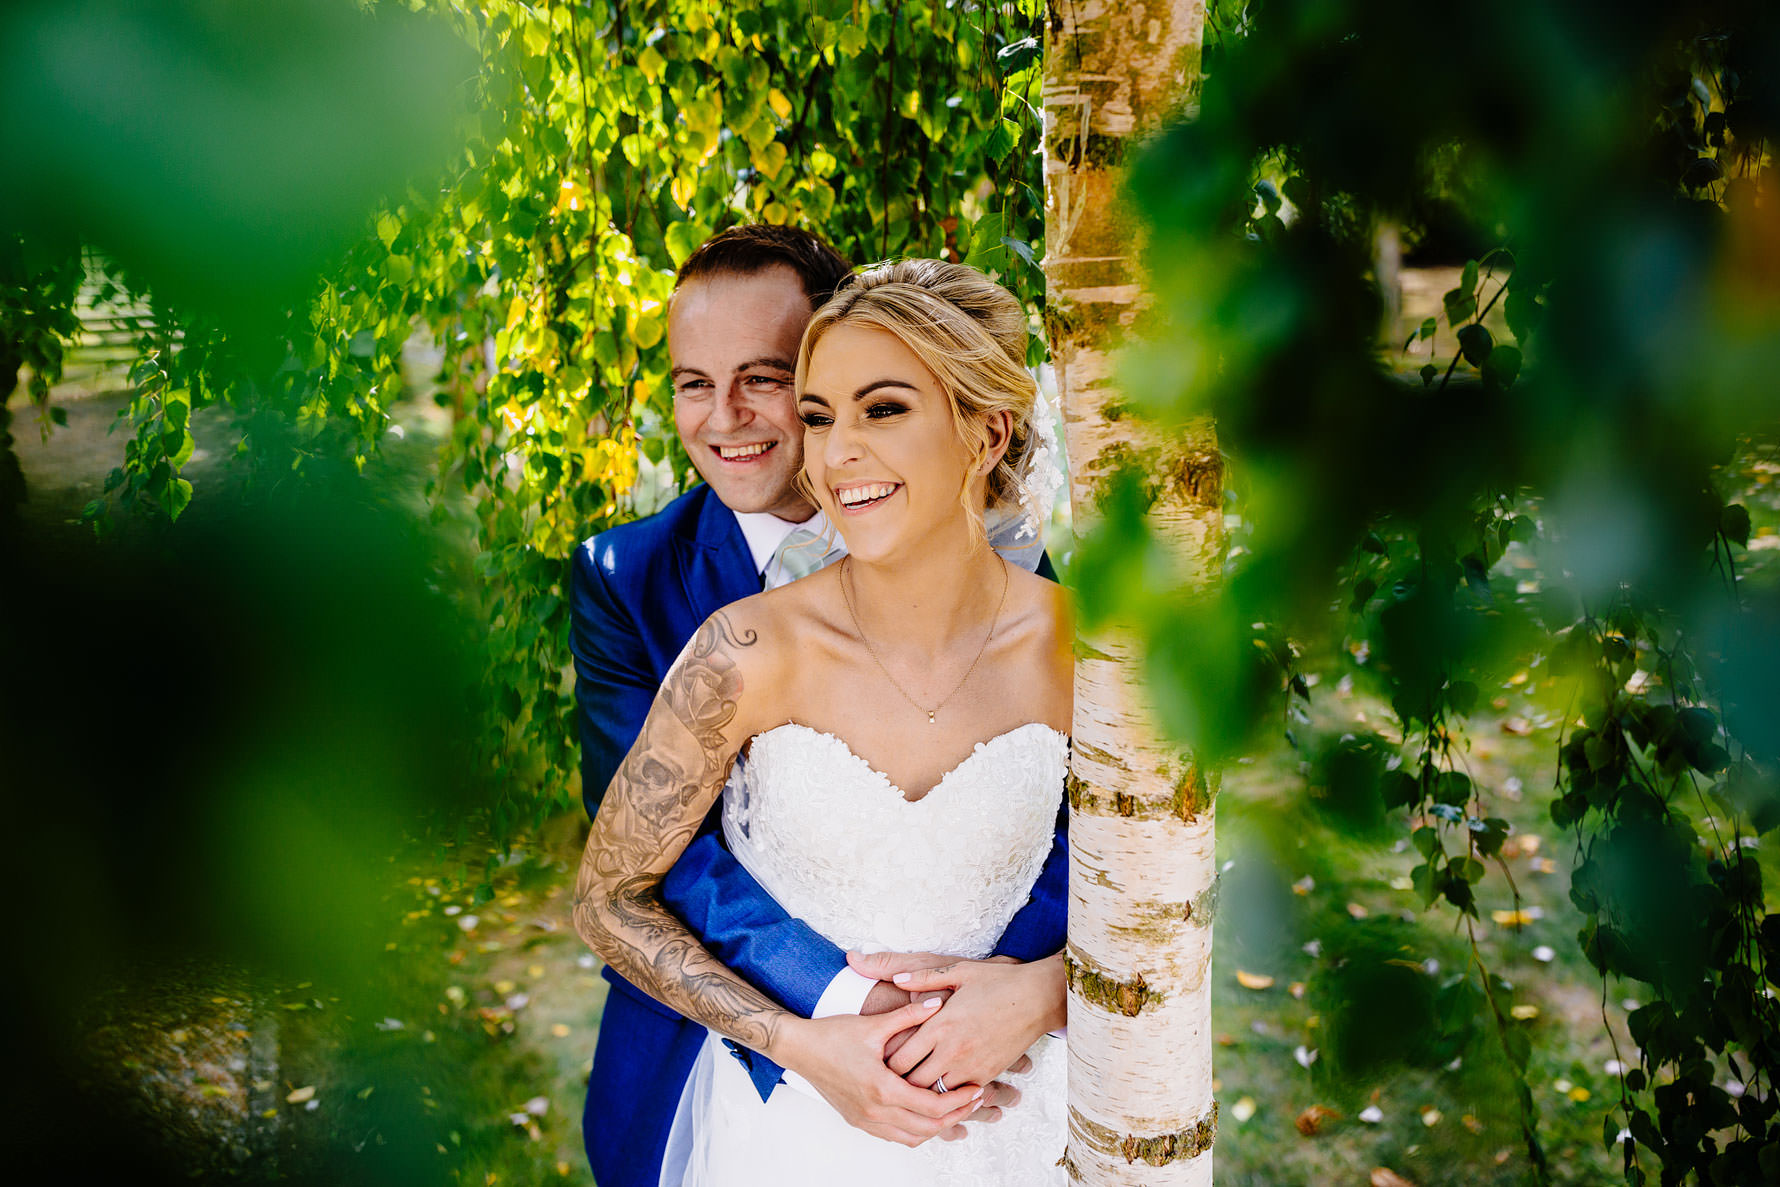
{"x": 1141, "y": 839}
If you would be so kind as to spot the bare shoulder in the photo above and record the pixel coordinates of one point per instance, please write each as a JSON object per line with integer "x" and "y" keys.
{"x": 1043, "y": 606}
{"x": 1042, "y": 635}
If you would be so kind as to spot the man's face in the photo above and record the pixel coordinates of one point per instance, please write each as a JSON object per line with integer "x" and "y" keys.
{"x": 732, "y": 341}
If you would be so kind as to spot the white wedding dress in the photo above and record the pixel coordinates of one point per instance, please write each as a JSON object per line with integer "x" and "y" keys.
{"x": 836, "y": 843}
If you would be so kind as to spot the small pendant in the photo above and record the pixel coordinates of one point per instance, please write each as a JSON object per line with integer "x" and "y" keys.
{"x": 930, "y": 720}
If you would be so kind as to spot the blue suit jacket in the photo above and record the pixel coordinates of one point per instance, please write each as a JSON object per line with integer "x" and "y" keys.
{"x": 640, "y": 591}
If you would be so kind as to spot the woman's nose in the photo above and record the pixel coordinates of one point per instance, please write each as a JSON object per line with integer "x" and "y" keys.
{"x": 841, "y": 444}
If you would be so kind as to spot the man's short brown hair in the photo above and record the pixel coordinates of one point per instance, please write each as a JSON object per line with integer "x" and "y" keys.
{"x": 755, "y": 247}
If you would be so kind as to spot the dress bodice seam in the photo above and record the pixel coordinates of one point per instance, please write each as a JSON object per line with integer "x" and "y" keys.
{"x": 885, "y": 780}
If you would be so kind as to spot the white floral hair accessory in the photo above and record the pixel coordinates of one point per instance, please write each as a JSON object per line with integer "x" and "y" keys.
{"x": 1017, "y": 531}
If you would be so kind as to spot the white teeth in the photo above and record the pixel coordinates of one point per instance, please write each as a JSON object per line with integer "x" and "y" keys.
{"x": 734, "y": 453}
{"x": 854, "y": 496}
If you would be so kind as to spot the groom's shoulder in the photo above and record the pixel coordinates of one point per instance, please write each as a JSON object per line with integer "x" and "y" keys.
{"x": 631, "y": 550}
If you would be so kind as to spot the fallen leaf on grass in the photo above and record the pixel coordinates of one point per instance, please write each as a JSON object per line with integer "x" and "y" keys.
{"x": 559, "y": 1030}
{"x": 1310, "y": 1121}
{"x": 1430, "y": 1116}
{"x": 1371, "y": 1114}
{"x": 1516, "y": 918}
{"x": 1520, "y": 727}
{"x": 1525, "y": 1013}
{"x": 1471, "y": 1123}
{"x": 1304, "y": 1055}
{"x": 1384, "y": 1176}
{"x": 1253, "y": 980}
{"x": 1357, "y": 911}
{"x": 1243, "y": 1109}
{"x": 299, "y": 1095}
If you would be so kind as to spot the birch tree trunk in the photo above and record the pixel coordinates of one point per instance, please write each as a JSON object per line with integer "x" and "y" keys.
{"x": 1140, "y": 835}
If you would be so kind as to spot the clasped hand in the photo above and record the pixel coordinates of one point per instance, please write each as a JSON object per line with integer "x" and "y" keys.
{"x": 932, "y": 1019}
{"x": 993, "y": 1011}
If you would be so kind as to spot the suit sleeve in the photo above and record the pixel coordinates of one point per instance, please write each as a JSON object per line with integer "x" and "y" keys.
{"x": 1041, "y": 926}
{"x": 719, "y": 901}
{"x": 614, "y": 681}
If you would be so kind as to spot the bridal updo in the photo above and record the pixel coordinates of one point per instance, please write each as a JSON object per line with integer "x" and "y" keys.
{"x": 966, "y": 329}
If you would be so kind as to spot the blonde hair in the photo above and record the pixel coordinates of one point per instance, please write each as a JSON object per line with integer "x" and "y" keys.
{"x": 970, "y": 333}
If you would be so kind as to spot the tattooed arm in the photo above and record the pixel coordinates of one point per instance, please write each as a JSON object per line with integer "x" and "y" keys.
{"x": 650, "y": 813}
{"x": 654, "y": 806}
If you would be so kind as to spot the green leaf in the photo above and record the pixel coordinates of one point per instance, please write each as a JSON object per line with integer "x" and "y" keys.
{"x": 1488, "y": 834}
{"x": 651, "y": 63}
{"x": 1428, "y": 372}
{"x": 1427, "y": 882}
{"x": 1475, "y": 344}
{"x": 178, "y": 497}
{"x": 1452, "y": 787}
{"x": 1020, "y": 248}
{"x": 682, "y": 238}
{"x": 1600, "y": 753}
{"x": 1468, "y": 277}
{"x": 1733, "y": 521}
{"x": 1523, "y": 312}
{"x": 1461, "y": 307}
{"x": 1502, "y": 367}
{"x": 1462, "y": 696}
{"x": 986, "y": 250}
{"x": 1399, "y": 789}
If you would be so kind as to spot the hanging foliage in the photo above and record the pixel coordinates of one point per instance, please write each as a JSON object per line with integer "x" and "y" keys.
{"x": 599, "y": 144}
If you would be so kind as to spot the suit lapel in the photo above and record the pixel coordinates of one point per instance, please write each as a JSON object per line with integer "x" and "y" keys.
{"x": 715, "y": 564}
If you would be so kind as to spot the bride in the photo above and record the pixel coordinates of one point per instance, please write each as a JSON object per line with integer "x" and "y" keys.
{"x": 902, "y": 719}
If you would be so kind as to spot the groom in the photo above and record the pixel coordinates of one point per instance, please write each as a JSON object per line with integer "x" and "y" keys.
{"x": 738, "y": 311}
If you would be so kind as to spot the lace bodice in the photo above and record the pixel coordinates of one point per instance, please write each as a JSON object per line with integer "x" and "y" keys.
{"x": 841, "y": 847}
{"x": 835, "y": 842}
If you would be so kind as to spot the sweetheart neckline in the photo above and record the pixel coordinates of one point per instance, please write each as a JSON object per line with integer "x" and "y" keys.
{"x": 890, "y": 783}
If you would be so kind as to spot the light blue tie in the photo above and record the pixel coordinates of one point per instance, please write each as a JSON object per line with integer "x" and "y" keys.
{"x": 803, "y": 552}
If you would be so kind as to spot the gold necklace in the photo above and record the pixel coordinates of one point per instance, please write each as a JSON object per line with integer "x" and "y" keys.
{"x": 993, "y": 622}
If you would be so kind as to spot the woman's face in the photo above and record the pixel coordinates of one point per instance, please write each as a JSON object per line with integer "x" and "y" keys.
{"x": 880, "y": 446}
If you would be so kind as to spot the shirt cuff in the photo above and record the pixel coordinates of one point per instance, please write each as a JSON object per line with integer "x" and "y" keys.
{"x": 845, "y": 994}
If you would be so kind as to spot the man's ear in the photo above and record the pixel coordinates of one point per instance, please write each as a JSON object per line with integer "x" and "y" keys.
{"x": 999, "y": 428}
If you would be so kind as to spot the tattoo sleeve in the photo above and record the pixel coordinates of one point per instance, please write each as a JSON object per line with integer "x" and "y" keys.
{"x": 651, "y": 812}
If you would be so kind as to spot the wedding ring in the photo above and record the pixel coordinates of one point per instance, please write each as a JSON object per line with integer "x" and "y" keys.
{"x": 939, "y": 1083}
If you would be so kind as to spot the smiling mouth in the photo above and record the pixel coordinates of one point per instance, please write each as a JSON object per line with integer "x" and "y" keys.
{"x": 858, "y": 498}
{"x": 744, "y": 453}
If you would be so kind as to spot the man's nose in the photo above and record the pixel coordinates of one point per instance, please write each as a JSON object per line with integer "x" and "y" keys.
{"x": 730, "y": 410}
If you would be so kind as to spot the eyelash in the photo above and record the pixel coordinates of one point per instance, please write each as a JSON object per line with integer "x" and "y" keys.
{"x": 880, "y": 411}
